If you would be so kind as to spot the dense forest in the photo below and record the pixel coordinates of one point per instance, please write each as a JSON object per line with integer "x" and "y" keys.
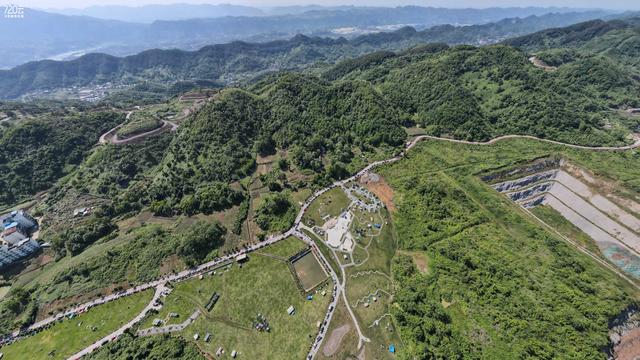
{"x": 319, "y": 122}
{"x": 36, "y": 153}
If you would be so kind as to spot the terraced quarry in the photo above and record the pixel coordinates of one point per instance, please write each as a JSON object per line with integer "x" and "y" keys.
{"x": 571, "y": 191}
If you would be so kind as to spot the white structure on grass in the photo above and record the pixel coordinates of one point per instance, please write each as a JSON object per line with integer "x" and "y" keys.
{"x": 338, "y": 235}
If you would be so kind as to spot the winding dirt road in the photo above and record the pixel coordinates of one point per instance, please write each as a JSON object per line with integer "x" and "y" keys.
{"x": 111, "y": 136}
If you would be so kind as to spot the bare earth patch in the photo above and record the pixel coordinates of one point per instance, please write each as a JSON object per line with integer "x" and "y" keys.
{"x": 377, "y": 185}
{"x": 419, "y": 259}
{"x": 607, "y": 187}
{"x": 170, "y": 264}
{"x": 629, "y": 346}
{"x": 333, "y": 343}
{"x": 541, "y": 64}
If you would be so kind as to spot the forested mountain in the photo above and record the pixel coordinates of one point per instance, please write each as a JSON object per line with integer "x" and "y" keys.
{"x": 463, "y": 92}
{"x": 374, "y": 15}
{"x": 237, "y": 60}
{"x": 249, "y": 150}
{"x": 573, "y": 35}
{"x": 616, "y": 39}
{"x": 36, "y": 153}
{"x": 40, "y": 35}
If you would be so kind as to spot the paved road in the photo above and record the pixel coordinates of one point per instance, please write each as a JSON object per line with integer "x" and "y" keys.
{"x": 186, "y": 274}
{"x": 110, "y": 133}
{"x": 116, "y": 334}
{"x": 337, "y": 289}
{"x": 635, "y": 145}
{"x": 112, "y": 137}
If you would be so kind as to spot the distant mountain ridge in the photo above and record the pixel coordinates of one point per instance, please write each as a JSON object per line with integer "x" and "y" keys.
{"x": 40, "y": 35}
{"x": 151, "y": 13}
{"x": 237, "y": 60}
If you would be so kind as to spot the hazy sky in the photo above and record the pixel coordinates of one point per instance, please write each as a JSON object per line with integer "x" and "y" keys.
{"x": 610, "y": 4}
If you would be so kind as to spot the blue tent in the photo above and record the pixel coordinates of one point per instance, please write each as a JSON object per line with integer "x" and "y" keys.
{"x": 392, "y": 349}
{"x": 309, "y": 297}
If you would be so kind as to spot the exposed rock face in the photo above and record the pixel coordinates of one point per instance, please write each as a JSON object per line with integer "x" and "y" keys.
{"x": 535, "y": 167}
{"x": 530, "y": 193}
{"x": 625, "y": 335}
{"x": 525, "y": 181}
{"x": 614, "y": 229}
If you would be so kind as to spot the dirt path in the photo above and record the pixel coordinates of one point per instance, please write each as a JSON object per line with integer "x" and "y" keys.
{"x": 333, "y": 342}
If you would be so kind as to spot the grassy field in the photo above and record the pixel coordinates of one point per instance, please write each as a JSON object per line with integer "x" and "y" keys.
{"x": 328, "y": 253}
{"x": 346, "y": 348}
{"x": 309, "y": 271}
{"x": 70, "y": 336}
{"x": 370, "y": 286}
{"x": 262, "y": 285}
{"x": 500, "y": 286}
{"x": 331, "y": 204}
{"x": 285, "y": 248}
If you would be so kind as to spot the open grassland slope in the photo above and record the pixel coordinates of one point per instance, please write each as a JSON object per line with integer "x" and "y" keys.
{"x": 64, "y": 339}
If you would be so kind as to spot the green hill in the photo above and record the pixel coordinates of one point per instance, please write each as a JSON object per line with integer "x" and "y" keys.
{"x": 36, "y": 153}
{"x": 463, "y": 92}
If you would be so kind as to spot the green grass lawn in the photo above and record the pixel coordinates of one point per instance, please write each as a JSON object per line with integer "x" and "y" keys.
{"x": 309, "y": 271}
{"x": 328, "y": 253}
{"x": 332, "y": 203}
{"x": 285, "y": 248}
{"x": 70, "y": 336}
{"x": 262, "y": 285}
{"x": 371, "y": 278}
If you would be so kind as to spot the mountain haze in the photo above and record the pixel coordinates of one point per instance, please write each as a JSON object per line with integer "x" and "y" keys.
{"x": 47, "y": 35}
{"x": 238, "y": 60}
